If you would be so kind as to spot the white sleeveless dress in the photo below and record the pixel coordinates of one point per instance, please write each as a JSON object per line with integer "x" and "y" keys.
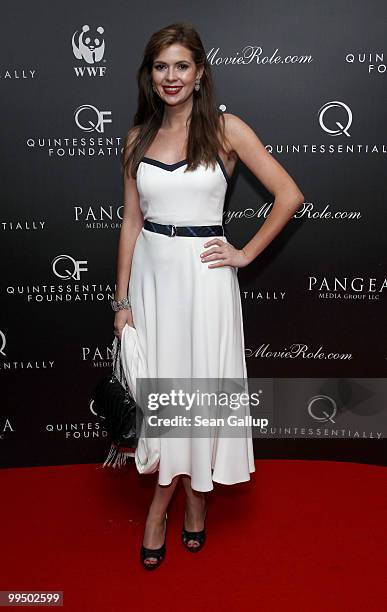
{"x": 187, "y": 318}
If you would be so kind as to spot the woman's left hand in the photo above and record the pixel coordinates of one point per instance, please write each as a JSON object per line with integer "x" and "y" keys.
{"x": 224, "y": 251}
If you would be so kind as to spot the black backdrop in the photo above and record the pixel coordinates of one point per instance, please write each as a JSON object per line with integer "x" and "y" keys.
{"x": 309, "y": 78}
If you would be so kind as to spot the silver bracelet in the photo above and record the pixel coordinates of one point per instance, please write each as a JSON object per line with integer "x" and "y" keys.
{"x": 123, "y": 304}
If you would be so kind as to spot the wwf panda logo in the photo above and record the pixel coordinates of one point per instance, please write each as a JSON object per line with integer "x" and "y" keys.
{"x": 89, "y": 45}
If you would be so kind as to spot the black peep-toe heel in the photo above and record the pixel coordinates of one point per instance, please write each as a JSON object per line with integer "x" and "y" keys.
{"x": 154, "y": 553}
{"x": 197, "y": 536}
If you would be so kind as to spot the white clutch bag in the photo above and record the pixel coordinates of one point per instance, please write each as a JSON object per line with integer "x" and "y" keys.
{"x": 147, "y": 455}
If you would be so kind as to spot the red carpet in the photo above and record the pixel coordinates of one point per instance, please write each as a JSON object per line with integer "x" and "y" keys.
{"x": 307, "y": 536}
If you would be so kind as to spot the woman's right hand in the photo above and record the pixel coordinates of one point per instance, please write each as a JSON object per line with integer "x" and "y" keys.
{"x": 121, "y": 318}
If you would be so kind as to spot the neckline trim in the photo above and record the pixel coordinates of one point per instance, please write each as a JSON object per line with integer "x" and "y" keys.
{"x": 183, "y": 162}
{"x": 157, "y": 162}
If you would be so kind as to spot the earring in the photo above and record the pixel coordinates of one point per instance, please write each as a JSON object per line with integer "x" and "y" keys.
{"x": 197, "y": 84}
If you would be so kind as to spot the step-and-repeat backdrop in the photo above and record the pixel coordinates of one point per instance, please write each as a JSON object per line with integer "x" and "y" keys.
{"x": 311, "y": 81}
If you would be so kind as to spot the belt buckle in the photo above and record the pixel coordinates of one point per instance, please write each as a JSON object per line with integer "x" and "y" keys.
{"x": 173, "y": 231}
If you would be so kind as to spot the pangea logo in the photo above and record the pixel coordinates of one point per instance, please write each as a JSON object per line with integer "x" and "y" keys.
{"x": 3, "y": 342}
{"x": 352, "y": 288}
{"x": 88, "y": 118}
{"x": 337, "y": 121}
{"x": 66, "y": 267}
{"x": 88, "y": 45}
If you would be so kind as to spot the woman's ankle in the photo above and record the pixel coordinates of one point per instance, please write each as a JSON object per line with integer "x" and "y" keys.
{"x": 196, "y": 501}
{"x": 156, "y": 514}
{"x": 153, "y": 532}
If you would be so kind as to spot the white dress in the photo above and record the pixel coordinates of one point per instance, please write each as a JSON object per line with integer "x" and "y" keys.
{"x": 187, "y": 318}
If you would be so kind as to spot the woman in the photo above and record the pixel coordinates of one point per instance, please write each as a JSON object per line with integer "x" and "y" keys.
{"x": 177, "y": 297}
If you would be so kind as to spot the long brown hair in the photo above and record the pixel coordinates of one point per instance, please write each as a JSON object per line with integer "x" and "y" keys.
{"x": 206, "y": 129}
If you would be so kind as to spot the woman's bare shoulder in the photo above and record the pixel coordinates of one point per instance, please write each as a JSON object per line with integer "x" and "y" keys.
{"x": 132, "y": 135}
{"x": 231, "y": 124}
{"x": 130, "y": 139}
{"x": 238, "y": 133}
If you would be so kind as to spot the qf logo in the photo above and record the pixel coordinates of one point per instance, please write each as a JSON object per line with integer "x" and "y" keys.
{"x": 328, "y": 412}
{"x": 353, "y": 397}
{"x": 341, "y": 129}
{"x": 75, "y": 267}
{"x": 91, "y": 406}
{"x": 88, "y": 45}
{"x": 3, "y": 342}
{"x": 97, "y": 120}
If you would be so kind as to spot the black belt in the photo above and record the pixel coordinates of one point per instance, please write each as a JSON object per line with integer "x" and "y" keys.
{"x": 187, "y": 230}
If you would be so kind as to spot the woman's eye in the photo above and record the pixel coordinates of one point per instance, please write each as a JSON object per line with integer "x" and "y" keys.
{"x": 157, "y": 66}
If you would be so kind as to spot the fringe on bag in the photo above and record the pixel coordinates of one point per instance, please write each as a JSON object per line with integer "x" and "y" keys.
{"x": 118, "y": 456}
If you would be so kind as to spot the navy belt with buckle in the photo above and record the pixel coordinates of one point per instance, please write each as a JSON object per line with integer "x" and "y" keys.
{"x": 186, "y": 230}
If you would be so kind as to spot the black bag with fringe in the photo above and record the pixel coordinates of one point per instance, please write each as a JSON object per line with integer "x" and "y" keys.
{"x": 114, "y": 403}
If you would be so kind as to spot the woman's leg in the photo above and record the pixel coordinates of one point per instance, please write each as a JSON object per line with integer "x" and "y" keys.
{"x": 195, "y": 509}
{"x": 154, "y": 533}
